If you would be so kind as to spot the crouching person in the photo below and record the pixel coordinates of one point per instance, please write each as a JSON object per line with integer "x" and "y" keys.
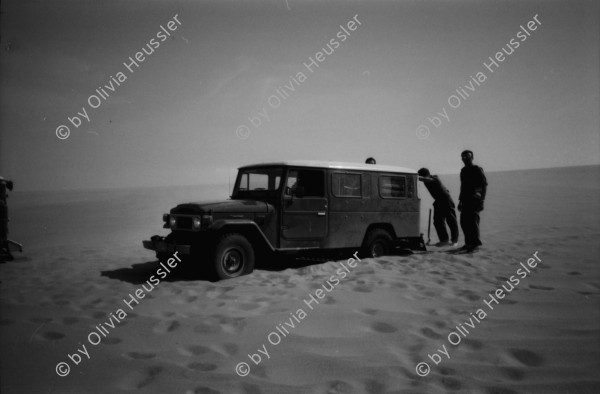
{"x": 443, "y": 208}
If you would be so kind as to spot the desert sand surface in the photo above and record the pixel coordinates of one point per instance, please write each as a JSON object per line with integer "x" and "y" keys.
{"x": 369, "y": 333}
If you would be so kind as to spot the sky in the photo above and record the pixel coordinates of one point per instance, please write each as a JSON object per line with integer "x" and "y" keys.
{"x": 224, "y": 88}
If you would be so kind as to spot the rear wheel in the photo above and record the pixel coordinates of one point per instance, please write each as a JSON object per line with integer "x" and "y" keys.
{"x": 233, "y": 256}
{"x": 378, "y": 243}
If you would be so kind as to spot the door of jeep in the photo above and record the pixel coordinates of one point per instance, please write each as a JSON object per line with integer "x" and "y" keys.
{"x": 304, "y": 208}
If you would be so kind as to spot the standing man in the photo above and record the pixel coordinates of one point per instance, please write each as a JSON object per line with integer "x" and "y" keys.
{"x": 443, "y": 208}
{"x": 473, "y": 187}
{"x": 5, "y": 243}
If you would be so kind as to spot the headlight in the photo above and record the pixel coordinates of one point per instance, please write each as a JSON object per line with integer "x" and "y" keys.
{"x": 172, "y": 221}
{"x": 196, "y": 223}
{"x": 207, "y": 220}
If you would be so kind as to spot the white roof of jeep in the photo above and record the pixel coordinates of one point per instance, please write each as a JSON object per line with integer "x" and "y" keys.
{"x": 335, "y": 165}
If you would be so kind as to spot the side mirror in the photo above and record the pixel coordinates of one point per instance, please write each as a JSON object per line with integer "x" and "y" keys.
{"x": 299, "y": 192}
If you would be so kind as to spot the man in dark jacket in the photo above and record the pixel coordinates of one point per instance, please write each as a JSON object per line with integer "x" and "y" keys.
{"x": 4, "y": 248}
{"x": 443, "y": 205}
{"x": 5, "y": 243}
{"x": 473, "y": 188}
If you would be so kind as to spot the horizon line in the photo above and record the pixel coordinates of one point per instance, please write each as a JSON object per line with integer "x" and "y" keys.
{"x": 114, "y": 188}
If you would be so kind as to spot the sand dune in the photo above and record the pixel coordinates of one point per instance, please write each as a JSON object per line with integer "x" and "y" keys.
{"x": 83, "y": 257}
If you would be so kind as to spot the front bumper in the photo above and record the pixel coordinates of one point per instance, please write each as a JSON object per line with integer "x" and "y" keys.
{"x": 159, "y": 245}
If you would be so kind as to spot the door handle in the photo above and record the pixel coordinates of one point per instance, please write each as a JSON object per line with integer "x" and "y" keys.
{"x": 321, "y": 213}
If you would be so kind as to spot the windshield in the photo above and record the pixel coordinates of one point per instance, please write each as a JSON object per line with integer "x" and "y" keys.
{"x": 258, "y": 179}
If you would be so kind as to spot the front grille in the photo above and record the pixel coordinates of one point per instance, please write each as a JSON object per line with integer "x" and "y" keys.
{"x": 183, "y": 222}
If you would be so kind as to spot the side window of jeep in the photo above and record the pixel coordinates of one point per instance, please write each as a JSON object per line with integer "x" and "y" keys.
{"x": 392, "y": 186}
{"x": 311, "y": 181}
{"x": 346, "y": 185}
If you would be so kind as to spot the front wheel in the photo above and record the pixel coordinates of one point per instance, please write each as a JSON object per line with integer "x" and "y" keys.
{"x": 233, "y": 257}
{"x": 378, "y": 243}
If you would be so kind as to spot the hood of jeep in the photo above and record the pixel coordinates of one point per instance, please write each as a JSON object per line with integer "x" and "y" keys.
{"x": 221, "y": 206}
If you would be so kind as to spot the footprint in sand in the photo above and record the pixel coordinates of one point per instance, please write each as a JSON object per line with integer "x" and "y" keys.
{"x": 206, "y": 328}
{"x": 374, "y": 387}
{"x": 448, "y": 381}
{"x": 248, "y": 306}
{"x": 194, "y": 350}
{"x": 431, "y": 293}
{"x": 277, "y": 293}
{"x": 513, "y": 373}
{"x": 233, "y": 325}
{"x": 98, "y": 315}
{"x": 585, "y": 293}
{"x": 70, "y": 320}
{"x": 249, "y": 388}
{"x": 432, "y": 312}
{"x": 140, "y": 356}
{"x": 449, "y": 276}
{"x": 185, "y": 300}
{"x": 439, "y": 323}
{"x": 145, "y": 377}
{"x": 451, "y": 383}
{"x": 363, "y": 288}
{"x": 111, "y": 341}
{"x": 53, "y": 335}
{"x": 541, "y": 287}
{"x": 500, "y": 390}
{"x": 202, "y": 367}
{"x": 339, "y": 386}
{"x": 166, "y": 326}
{"x": 228, "y": 349}
{"x": 97, "y": 303}
{"x": 446, "y": 371}
{"x": 41, "y": 320}
{"x": 473, "y": 344}
{"x": 429, "y": 333}
{"x": 369, "y": 311}
{"x": 202, "y": 390}
{"x": 527, "y": 357}
{"x": 469, "y": 295}
{"x": 383, "y": 328}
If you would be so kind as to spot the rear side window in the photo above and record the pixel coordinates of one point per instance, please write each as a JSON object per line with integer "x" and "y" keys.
{"x": 392, "y": 186}
{"x": 346, "y": 185}
{"x": 410, "y": 187}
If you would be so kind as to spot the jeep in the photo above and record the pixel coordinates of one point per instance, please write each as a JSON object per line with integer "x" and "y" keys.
{"x": 295, "y": 207}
